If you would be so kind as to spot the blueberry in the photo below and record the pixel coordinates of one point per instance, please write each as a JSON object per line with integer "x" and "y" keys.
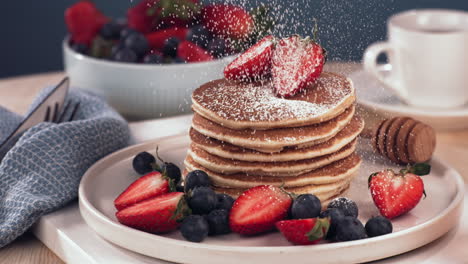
{"x": 335, "y": 216}
{"x": 202, "y": 200}
{"x": 305, "y": 206}
{"x": 348, "y": 206}
{"x": 378, "y": 225}
{"x": 142, "y": 162}
{"x": 199, "y": 35}
{"x": 170, "y": 46}
{"x": 224, "y": 201}
{"x": 217, "y": 47}
{"x": 194, "y": 228}
{"x": 179, "y": 187}
{"x": 218, "y": 222}
{"x": 125, "y": 32}
{"x": 138, "y": 43}
{"x": 110, "y": 30}
{"x": 125, "y": 55}
{"x": 350, "y": 228}
{"x": 80, "y": 48}
{"x": 172, "y": 171}
{"x": 153, "y": 59}
{"x": 196, "y": 178}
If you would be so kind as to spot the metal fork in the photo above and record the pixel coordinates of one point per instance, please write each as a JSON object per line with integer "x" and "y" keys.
{"x": 52, "y": 114}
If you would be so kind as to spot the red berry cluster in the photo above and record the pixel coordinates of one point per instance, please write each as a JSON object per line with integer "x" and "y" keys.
{"x": 165, "y": 31}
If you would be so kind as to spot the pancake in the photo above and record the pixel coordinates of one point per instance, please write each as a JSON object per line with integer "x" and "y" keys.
{"x": 227, "y": 150}
{"x": 281, "y": 168}
{"x": 339, "y": 171}
{"x": 274, "y": 140}
{"x": 325, "y": 194}
{"x": 238, "y": 105}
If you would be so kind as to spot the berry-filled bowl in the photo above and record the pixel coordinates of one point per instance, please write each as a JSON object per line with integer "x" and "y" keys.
{"x": 148, "y": 63}
{"x": 141, "y": 91}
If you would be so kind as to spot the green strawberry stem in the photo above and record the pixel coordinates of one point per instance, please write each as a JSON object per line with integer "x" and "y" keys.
{"x": 420, "y": 169}
{"x": 319, "y": 230}
{"x": 182, "y": 210}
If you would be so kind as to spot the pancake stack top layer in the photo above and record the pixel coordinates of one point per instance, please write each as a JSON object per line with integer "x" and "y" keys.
{"x": 243, "y": 136}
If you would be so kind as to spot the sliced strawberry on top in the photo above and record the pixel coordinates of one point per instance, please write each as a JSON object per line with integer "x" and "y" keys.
{"x": 156, "y": 39}
{"x": 396, "y": 194}
{"x": 84, "y": 21}
{"x": 191, "y": 52}
{"x": 258, "y": 209}
{"x": 296, "y": 63}
{"x": 160, "y": 214}
{"x": 304, "y": 231}
{"x": 148, "y": 186}
{"x": 254, "y": 63}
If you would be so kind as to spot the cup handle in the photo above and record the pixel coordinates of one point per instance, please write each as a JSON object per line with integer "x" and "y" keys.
{"x": 370, "y": 65}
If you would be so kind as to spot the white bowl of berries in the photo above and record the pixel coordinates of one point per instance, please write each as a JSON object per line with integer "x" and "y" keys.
{"x": 148, "y": 64}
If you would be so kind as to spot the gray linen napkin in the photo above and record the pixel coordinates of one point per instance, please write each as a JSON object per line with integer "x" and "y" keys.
{"x": 41, "y": 173}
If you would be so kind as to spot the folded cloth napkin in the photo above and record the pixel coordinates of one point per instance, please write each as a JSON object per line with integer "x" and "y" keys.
{"x": 41, "y": 173}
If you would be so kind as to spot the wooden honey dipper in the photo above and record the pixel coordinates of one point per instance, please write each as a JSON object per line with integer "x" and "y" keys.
{"x": 404, "y": 140}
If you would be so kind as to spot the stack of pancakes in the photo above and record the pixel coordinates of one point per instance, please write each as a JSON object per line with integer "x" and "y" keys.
{"x": 243, "y": 136}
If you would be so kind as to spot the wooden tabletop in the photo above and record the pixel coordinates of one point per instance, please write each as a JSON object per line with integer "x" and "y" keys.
{"x": 17, "y": 93}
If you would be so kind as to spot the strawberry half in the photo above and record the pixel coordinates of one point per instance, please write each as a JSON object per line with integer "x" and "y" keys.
{"x": 304, "y": 231}
{"x": 258, "y": 209}
{"x": 148, "y": 186}
{"x": 191, "y": 52}
{"x": 396, "y": 194}
{"x": 296, "y": 63}
{"x": 254, "y": 63}
{"x": 160, "y": 214}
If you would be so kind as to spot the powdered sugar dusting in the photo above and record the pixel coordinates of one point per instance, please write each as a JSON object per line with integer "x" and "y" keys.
{"x": 258, "y": 102}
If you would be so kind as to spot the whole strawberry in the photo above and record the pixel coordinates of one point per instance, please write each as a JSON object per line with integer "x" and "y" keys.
{"x": 307, "y": 231}
{"x": 142, "y": 16}
{"x": 395, "y": 194}
{"x": 84, "y": 21}
{"x": 296, "y": 63}
{"x": 258, "y": 209}
{"x": 227, "y": 21}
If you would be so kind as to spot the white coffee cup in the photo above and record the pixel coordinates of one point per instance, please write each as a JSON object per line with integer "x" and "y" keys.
{"x": 428, "y": 52}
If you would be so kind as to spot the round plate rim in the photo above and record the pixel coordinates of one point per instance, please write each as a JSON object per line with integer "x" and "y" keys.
{"x": 86, "y": 207}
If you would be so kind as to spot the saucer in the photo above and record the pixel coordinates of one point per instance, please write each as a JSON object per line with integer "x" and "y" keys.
{"x": 372, "y": 95}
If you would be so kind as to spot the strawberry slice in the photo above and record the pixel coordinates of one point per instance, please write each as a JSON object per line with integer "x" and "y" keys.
{"x": 258, "y": 209}
{"x": 296, "y": 63}
{"x": 191, "y": 52}
{"x": 148, "y": 186}
{"x": 157, "y": 38}
{"x": 396, "y": 194}
{"x": 160, "y": 214}
{"x": 304, "y": 231}
{"x": 254, "y": 63}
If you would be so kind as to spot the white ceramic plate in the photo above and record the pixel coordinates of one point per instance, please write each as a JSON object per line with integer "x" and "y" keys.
{"x": 373, "y": 95}
{"x": 432, "y": 218}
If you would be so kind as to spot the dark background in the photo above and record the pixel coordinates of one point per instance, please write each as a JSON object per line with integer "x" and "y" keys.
{"x": 31, "y": 32}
